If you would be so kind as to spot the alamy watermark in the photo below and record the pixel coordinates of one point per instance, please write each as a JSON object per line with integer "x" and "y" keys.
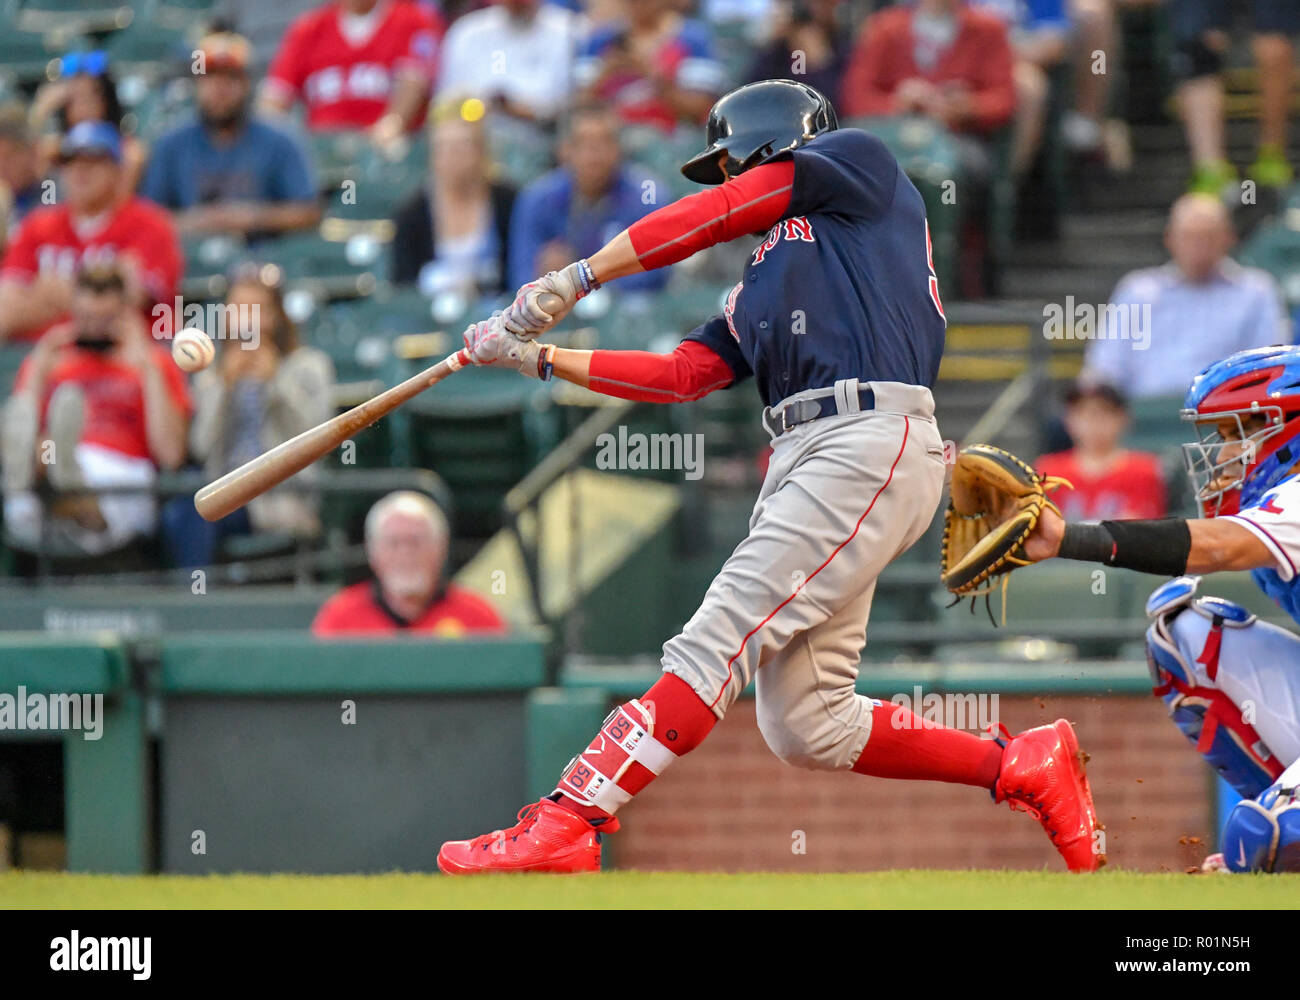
{"x": 240, "y": 323}
{"x": 1072, "y": 320}
{"x": 640, "y": 452}
{"x": 34, "y": 711}
{"x": 920, "y": 709}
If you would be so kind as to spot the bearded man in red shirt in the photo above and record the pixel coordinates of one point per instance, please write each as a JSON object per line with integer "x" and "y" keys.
{"x": 91, "y": 224}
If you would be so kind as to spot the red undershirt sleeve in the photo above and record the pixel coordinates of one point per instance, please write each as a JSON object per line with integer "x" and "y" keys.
{"x": 689, "y": 372}
{"x": 751, "y": 203}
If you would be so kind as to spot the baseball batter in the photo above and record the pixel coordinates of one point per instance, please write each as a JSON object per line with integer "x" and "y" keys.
{"x": 1231, "y": 683}
{"x": 837, "y": 318}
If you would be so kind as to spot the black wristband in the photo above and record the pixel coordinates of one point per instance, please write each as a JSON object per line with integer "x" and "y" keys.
{"x": 1086, "y": 542}
{"x": 1160, "y": 546}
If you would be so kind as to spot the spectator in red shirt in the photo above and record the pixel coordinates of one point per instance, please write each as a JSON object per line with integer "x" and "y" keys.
{"x": 93, "y": 223}
{"x": 358, "y": 64}
{"x": 952, "y": 64}
{"x": 1110, "y": 483}
{"x": 97, "y": 403}
{"x": 941, "y": 59}
{"x": 406, "y": 542}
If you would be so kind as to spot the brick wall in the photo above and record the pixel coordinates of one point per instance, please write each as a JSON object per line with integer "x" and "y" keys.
{"x": 732, "y": 806}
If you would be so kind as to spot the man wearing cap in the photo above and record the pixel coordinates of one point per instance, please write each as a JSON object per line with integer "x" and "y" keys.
{"x": 92, "y": 222}
{"x": 228, "y": 171}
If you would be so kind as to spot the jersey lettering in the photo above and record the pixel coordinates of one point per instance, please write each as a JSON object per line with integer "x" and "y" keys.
{"x": 796, "y": 228}
{"x": 799, "y": 228}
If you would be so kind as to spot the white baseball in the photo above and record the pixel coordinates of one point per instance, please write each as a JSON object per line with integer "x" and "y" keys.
{"x": 192, "y": 350}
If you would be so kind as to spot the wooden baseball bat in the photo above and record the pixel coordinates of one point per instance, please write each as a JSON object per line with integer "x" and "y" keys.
{"x": 255, "y": 477}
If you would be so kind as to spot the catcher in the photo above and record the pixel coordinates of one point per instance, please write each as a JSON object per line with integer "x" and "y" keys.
{"x": 1231, "y": 683}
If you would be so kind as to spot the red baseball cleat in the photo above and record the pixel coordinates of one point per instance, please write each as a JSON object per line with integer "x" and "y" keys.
{"x": 547, "y": 838}
{"x": 1042, "y": 773}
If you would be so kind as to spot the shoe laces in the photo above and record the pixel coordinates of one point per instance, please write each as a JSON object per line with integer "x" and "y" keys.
{"x": 1018, "y": 799}
{"x": 526, "y": 816}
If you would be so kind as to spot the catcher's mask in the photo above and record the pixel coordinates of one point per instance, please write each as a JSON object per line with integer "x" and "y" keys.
{"x": 1246, "y": 412}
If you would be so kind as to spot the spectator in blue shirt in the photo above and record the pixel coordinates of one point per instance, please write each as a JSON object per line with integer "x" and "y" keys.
{"x": 573, "y": 211}
{"x": 228, "y": 172}
{"x": 1165, "y": 324}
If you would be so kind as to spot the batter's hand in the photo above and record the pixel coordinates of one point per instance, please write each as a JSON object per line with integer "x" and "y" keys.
{"x": 525, "y": 318}
{"x": 488, "y": 343}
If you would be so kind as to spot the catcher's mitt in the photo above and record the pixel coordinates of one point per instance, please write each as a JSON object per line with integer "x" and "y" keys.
{"x": 996, "y": 500}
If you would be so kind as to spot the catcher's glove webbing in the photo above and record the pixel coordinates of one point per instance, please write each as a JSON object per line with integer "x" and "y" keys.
{"x": 994, "y": 506}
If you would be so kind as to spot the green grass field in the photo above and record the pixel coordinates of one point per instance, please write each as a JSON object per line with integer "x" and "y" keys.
{"x": 646, "y": 890}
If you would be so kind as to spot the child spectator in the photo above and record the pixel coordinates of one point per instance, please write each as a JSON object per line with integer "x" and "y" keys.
{"x": 1110, "y": 482}
{"x": 406, "y": 544}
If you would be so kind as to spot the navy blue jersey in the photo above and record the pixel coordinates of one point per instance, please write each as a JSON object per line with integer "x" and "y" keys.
{"x": 841, "y": 287}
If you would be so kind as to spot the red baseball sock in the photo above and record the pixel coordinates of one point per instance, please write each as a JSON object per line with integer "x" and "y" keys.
{"x": 902, "y": 745}
{"x": 681, "y": 721}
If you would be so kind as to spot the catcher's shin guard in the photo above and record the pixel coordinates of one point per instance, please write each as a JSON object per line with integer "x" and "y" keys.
{"x": 1263, "y": 834}
{"x": 1203, "y": 713}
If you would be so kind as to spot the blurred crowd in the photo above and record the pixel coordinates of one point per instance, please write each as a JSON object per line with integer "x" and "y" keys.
{"x": 98, "y": 221}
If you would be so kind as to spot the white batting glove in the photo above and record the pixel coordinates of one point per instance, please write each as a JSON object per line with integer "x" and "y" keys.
{"x": 525, "y": 318}
{"x": 488, "y": 343}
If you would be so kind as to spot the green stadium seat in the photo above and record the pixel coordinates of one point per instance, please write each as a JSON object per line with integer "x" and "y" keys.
{"x": 146, "y": 46}
{"x": 481, "y": 432}
{"x": 207, "y": 260}
{"x": 339, "y": 268}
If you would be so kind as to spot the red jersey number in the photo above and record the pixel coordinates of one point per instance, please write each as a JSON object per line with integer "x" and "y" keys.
{"x": 934, "y": 278}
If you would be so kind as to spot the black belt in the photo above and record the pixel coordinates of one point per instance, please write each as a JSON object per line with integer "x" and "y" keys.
{"x": 802, "y": 411}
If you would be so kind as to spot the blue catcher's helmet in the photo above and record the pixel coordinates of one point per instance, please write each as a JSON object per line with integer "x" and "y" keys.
{"x": 1246, "y": 409}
